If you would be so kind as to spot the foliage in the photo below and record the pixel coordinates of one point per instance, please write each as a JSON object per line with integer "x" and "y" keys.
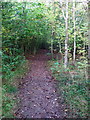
{"x": 30, "y": 26}
{"x": 24, "y": 29}
{"x": 73, "y": 85}
{"x": 10, "y": 89}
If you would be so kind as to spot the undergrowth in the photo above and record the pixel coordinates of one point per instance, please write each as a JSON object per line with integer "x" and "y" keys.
{"x": 10, "y": 89}
{"x": 73, "y": 84}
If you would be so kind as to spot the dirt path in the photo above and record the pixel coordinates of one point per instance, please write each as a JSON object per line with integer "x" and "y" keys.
{"x": 38, "y": 97}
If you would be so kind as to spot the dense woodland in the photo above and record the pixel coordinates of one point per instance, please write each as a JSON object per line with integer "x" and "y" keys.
{"x": 59, "y": 27}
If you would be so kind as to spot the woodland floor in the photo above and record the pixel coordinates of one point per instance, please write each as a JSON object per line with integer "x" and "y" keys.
{"x": 37, "y": 92}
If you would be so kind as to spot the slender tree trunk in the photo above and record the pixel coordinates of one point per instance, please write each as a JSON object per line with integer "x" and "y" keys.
{"x": 66, "y": 40}
{"x": 89, "y": 39}
{"x": 59, "y": 46}
{"x": 53, "y": 31}
{"x": 88, "y": 69}
{"x": 52, "y": 47}
{"x": 1, "y": 61}
{"x": 34, "y": 52}
{"x": 24, "y": 22}
{"x": 74, "y": 52}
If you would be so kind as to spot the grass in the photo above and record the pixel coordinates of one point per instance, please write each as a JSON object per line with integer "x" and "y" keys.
{"x": 10, "y": 89}
{"x": 73, "y": 84}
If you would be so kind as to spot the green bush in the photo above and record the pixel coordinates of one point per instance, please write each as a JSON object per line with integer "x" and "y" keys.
{"x": 74, "y": 89}
{"x": 10, "y": 89}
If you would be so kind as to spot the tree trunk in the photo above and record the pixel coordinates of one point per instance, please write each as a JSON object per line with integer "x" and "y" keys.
{"x": 24, "y": 23}
{"x": 52, "y": 47}
{"x": 59, "y": 46}
{"x": 34, "y": 51}
{"x": 66, "y": 40}
{"x": 74, "y": 52}
{"x": 88, "y": 40}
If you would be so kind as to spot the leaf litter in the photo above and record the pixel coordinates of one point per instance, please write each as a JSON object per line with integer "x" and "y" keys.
{"x": 37, "y": 93}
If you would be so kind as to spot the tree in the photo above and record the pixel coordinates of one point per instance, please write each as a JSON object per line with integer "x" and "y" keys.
{"x": 74, "y": 51}
{"x": 89, "y": 40}
{"x": 66, "y": 40}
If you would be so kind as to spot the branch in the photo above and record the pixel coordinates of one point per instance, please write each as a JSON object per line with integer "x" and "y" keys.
{"x": 62, "y": 10}
{"x": 63, "y": 14}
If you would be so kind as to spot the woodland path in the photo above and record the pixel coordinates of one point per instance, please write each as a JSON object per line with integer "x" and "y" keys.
{"x": 38, "y": 96}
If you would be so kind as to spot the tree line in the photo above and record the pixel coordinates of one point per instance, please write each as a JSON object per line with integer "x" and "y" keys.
{"x": 29, "y": 26}
{"x": 60, "y": 27}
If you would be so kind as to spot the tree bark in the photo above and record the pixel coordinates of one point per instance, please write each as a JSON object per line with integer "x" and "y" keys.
{"x": 89, "y": 39}
{"x": 66, "y": 40}
{"x": 74, "y": 51}
{"x": 52, "y": 47}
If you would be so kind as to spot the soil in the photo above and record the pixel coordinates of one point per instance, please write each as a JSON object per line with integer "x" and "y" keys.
{"x": 37, "y": 92}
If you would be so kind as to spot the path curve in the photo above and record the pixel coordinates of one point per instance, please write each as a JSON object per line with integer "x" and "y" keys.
{"x": 38, "y": 96}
